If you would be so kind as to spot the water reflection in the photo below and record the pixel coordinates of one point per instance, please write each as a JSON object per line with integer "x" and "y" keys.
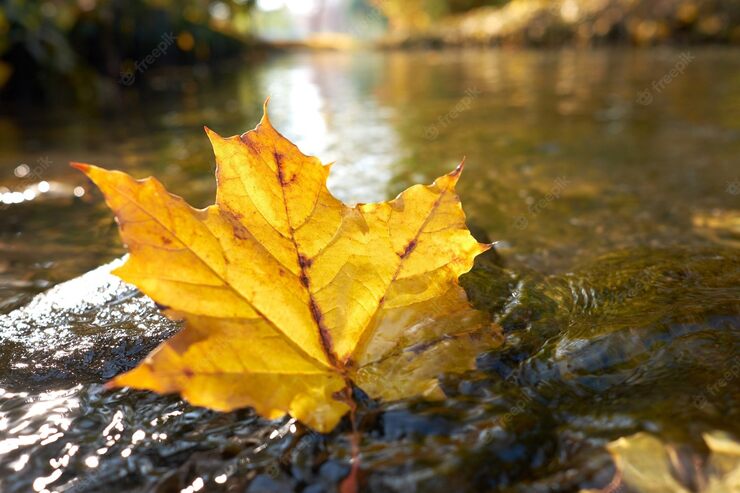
{"x": 319, "y": 107}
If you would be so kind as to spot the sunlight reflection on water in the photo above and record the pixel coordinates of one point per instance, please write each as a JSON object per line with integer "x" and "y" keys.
{"x": 38, "y": 419}
{"x": 362, "y": 146}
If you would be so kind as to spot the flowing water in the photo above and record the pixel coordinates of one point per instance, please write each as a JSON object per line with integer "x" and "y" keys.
{"x": 609, "y": 179}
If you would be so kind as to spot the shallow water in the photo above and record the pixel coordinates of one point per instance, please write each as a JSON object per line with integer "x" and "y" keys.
{"x": 611, "y": 186}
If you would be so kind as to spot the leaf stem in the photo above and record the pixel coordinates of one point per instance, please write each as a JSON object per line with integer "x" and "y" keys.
{"x": 350, "y": 483}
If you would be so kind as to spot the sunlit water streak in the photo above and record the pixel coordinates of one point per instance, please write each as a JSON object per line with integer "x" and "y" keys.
{"x": 362, "y": 146}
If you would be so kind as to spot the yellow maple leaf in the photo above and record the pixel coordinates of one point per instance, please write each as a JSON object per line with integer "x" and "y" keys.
{"x": 288, "y": 295}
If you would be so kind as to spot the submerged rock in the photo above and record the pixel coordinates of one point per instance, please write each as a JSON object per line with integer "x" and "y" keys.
{"x": 84, "y": 330}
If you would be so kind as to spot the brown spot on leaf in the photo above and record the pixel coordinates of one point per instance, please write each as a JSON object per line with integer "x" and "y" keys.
{"x": 253, "y": 146}
{"x": 279, "y": 162}
{"x": 409, "y": 248}
{"x": 326, "y": 341}
{"x": 284, "y": 178}
{"x": 188, "y": 372}
{"x": 304, "y": 262}
{"x": 240, "y": 231}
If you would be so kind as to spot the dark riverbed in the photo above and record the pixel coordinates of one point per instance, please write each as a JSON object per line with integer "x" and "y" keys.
{"x": 609, "y": 178}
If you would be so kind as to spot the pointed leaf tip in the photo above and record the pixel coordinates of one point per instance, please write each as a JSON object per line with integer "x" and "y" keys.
{"x": 80, "y": 166}
{"x": 450, "y": 179}
{"x": 210, "y": 133}
{"x": 265, "y": 113}
{"x": 458, "y": 170}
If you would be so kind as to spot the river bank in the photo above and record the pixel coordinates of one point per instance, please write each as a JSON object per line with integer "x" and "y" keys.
{"x": 554, "y": 23}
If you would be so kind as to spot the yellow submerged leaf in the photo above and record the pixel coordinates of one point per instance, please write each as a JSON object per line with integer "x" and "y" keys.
{"x": 290, "y": 296}
{"x": 645, "y": 464}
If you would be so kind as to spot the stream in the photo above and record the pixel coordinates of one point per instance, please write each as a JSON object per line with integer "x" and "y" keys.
{"x": 610, "y": 185}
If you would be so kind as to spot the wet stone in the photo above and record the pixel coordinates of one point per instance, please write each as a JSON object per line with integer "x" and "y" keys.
{"x": 85, "y": 330}
{"x": 266, "y": 484}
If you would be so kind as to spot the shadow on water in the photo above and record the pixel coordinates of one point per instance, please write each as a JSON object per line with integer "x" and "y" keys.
{"x": 616, "y": 277}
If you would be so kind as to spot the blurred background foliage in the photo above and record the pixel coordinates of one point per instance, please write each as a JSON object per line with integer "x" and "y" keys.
{"x": 83, "y": 46}
{"x": 81, "y": 49}
{"x": 412, "y": 15}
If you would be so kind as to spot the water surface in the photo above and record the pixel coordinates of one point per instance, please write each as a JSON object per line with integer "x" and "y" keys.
{"x": 609, "y": 178}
